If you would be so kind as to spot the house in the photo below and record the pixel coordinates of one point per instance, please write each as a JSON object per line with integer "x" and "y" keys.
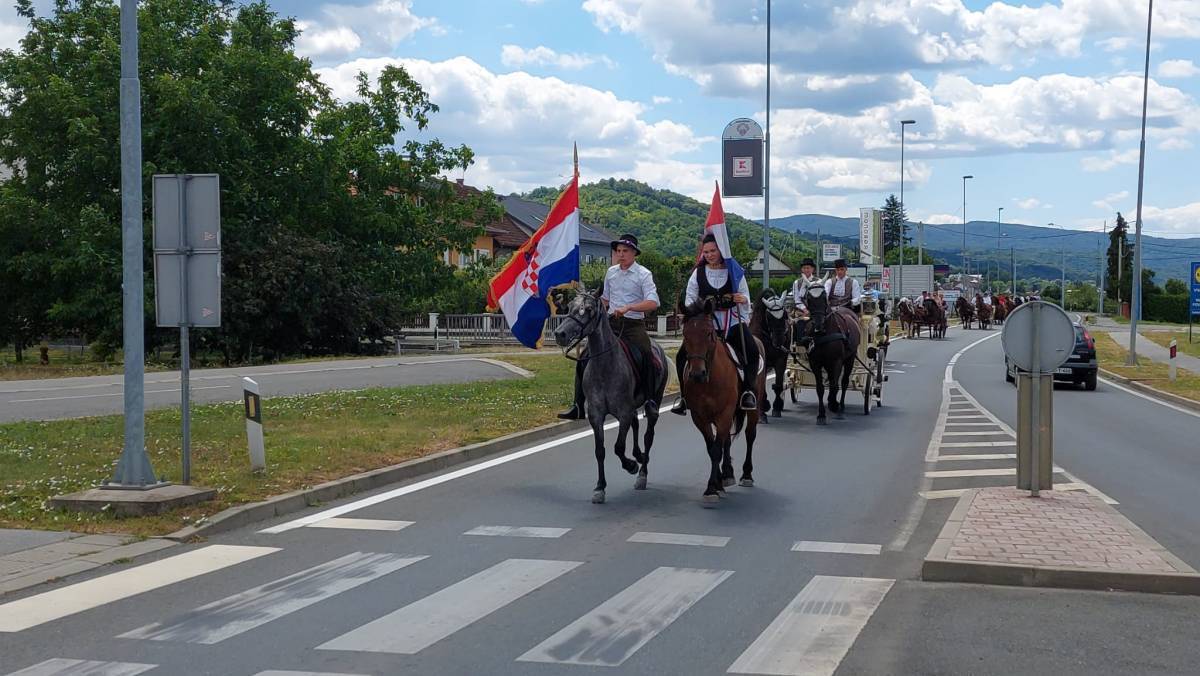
{"x": 594, "y": 241}
{"x": 778, "y": 268}
{"x": 500, "y": 239}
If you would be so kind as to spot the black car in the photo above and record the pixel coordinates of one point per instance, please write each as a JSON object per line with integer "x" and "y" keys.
{"x": 1081, "y": 368}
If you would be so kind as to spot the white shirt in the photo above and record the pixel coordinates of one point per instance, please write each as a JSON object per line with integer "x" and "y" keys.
{"x": 799, "y": 287}
{"x": 987, "y": 300}
{"x": 836, "y": 286}
{"x": 626, "y": 287}
{"x": 717, "y": 278}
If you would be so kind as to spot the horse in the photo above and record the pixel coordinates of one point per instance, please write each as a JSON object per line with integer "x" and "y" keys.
{"x": 710, "y": 388}
{"x": 1000, "y": 312}
{"x": 609, "y": 386}
{"x": 833, "y": 335}
{"x": 906, "y": 316}
{"x": 966, "y": 313}
{"x": 983, "y": 312}
{"x": 769, "y": 323}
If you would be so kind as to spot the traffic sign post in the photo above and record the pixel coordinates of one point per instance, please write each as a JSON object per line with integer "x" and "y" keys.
{"x": 1038, "y": 338}
{"x": 187, "y": 270}
{"x": 1194, "y": 298}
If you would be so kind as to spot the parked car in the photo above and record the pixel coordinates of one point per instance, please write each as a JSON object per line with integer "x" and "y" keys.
{"x": 1081, "y": 368}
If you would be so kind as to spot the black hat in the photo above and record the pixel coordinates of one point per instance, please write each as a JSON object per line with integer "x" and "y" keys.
{"x": 629, "y": 241}
{"x": 807, "y": 261}
{"x": 840, "y": 263}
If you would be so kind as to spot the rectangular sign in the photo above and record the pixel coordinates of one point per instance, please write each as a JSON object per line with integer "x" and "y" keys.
{"x": 203, "y": 289}
{"x": 830, "y": 252}
{"x": 187, "y": 249}
{"x": 951, "y": 295}
{"x": 870, "y": 236}
{"x": 740, "y": 163}
{"x": 187, "y": 212}
{"x": 743, "y": 167}
{"x": 1195, "y": 304}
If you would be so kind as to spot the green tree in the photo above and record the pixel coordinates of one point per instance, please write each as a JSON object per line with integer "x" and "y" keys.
{"x": 894, "y": 215}
{"x": 1176, "y": 287}
{"x": 333, "y": 218}
{"x": 1120, "y": 257}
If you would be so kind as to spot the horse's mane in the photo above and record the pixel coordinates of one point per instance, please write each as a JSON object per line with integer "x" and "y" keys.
{"x": 695, "y": 309}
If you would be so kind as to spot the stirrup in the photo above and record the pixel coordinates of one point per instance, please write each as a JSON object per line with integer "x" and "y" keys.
{"x": 749, "y": 401}
{"x": 680, "y": 407}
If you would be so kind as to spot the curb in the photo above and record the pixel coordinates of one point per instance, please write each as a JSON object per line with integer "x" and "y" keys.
{"x": 1152, "y": 391}
{"x": 287, "y": 503}
{"x": 937, "y": 568}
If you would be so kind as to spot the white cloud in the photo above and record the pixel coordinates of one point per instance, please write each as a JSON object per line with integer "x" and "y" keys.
{"x": 1181, "y": 221}
{"x": 1117, "y": 44}
{"x": 1178, "y": 68}
{"x": 661, "y": 100}
{"x": 515, "y": 56}
{"x": 1175, "y": 143}
{"x": 943, "y": 219}
{"x": 374, "y": 28}
{"x": 11, "y": 33}
{"x": 1111, "y": 202}
{"x": 1111, "y": 160}
{"x": 1028, "y": 203}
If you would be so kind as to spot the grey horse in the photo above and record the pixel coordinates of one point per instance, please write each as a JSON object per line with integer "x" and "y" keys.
{"x": 609, "y": 385}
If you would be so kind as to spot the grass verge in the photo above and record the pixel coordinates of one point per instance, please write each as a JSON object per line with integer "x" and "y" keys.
{"x": 309, "y": 439}
{"x": 1112, "y": 357}
{"x": 1181, "y": 337}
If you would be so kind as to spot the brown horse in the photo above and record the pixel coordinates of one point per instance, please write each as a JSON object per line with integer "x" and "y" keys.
{"x": 965, "y": 312}
{"x": 1001, "y": 309}
{"x": 710, "y": 388}
{"x": 983, "y": 312}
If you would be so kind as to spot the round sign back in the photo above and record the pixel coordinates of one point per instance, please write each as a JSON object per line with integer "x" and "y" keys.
{"x": 1055, "y": 336}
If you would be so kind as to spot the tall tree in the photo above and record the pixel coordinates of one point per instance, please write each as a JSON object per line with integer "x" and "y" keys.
{"x": 894, "y": 215}
{"x": 1120, "y": 257}
{"x": 333, "y": 218}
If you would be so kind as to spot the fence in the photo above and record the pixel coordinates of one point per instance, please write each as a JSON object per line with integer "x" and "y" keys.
{"x": 483, "y": 329}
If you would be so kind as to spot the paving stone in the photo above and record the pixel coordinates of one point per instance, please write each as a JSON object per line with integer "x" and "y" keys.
{"x": 128, "y": 551}
{"x": 43, "y": 574}
{"x": 104, "y": 540}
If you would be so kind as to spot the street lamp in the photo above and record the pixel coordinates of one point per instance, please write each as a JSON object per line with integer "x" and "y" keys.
{"x": 1136, "y": 310}
{"x": 900, "y": 279}
{"x": 998, "y": 210}
{"x": 964, "y": 239}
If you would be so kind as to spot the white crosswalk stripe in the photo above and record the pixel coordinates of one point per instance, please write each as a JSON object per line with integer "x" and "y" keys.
{"x": 836, "y": 547}
{"x": 431, "y": 619}
{"x": 679, "y": 539}
{"x": 614, "y": 630}
{"x": 361, "y": 524}
{"x": 64, "y": 667}
{"x": 242, "y": 612}
{"x": 519, "y": 531}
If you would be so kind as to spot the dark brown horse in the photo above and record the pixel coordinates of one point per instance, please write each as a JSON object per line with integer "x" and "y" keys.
{"x": 710, "y": 388}
{"x": 771, "y": 326}
{"x": 833, "y": 336}
{"x": 965, "y": 312}
{"x": 1001, "y": 309}
{"x": 983, "y": 312}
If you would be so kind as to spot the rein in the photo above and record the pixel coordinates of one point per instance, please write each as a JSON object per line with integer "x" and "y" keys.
{"x": 584, "y": 331}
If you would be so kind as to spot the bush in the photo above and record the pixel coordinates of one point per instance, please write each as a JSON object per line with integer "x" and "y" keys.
{"x": 1163, "y": 307}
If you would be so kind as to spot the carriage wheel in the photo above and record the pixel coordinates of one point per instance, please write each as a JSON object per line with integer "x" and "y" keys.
{"x": 879, "y": 379}
{"x": 867, "y": 393}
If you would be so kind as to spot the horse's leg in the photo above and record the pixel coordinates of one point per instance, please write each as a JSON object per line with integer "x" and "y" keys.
{"x": 597, "y": 422}
{"x": 727, "y": 458}
{"x": 780, "y": 376}
{"x": 651, "y": 421}
{"x": 835, "y": 379}
{"x": 748, "y": 465}
{"x": 714, "y": 444}
{"x": 847, "y": 371}
{"x": 819, "y": 378}
{"x": 623, "y": 425}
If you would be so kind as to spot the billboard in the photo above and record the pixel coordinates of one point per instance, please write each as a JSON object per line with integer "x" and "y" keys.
{"x": 830, "y": 252}
{"x": 742, "y": 159}
{"x": 870, "y": 236}
{"x": 1195, "y": 304}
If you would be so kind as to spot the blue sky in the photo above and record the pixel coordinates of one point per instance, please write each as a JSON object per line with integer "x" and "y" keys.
{"x": 1040, "y": 102}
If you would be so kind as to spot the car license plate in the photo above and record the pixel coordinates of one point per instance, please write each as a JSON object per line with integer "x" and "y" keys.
{"x": 1063, "y": 371}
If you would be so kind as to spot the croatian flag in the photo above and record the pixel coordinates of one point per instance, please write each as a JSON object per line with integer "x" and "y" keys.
{"x": 716, "y": 225}
{"x": 550, "y": 258}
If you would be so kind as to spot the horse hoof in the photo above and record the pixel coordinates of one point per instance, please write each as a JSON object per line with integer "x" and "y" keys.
{"x": 727, "y": 481}
{"x": 746, "y": 483}
{"x": 629, "y": 466}
{"x": 640, "y": 484}
{"x": 710, "y": 501}
{"x": 822, "y": 421}
{"x": 597, "y": 497}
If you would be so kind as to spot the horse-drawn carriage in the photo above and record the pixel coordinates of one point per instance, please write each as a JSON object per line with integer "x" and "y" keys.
{"x": 867, "y": 375}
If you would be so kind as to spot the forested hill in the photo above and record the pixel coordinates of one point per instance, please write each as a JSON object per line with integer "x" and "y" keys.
{"x": 667, "y": 222}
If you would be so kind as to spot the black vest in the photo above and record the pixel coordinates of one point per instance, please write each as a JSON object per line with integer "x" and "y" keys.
{"x": 707, "y": 290}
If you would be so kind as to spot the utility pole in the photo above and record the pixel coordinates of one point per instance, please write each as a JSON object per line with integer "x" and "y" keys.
{"x": 921, "y": 243}
{"x": 964, "y": 233}
{"x": 903, "y": 124}
{"x": 999, "y": 210}
{"x": 1012, "y": 261}
{"x": 1062, "y": 290}
{"x": 766, "y": 283}
{"x": 1103, "y": 270}
{"x": 1136, "y": 309}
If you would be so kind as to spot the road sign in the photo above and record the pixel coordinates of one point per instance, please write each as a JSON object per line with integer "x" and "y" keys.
{"x": 886, "y": 279}
{"x": 1195, "y": 304}
{"x": 742, "y": 159}
{"x": 203, "y": 289}
{"x": 1038, "y": 337}
{"x": 830, "y": 252}
{"x": 187, "y": 249}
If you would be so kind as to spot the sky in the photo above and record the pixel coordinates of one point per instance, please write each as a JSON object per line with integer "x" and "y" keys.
{"x": 1040, "y": 102}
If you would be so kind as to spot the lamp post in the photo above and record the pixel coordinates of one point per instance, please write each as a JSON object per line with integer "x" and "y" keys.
{"x": 900, "y": 281}
{"x": 1136, "y": 310}
{"x": 964, "y": 239}
{"x": 998, "y": 210}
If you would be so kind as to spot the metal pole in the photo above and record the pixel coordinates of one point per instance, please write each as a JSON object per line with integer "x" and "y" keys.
{"x": 998, "y": 212}
{"x": 185, "y": 344}
{"x": 767, "y": 167}
{"x": 1035, "y": 407}
{"x": 1012, "y": 261}
{"x": 1136, "y": 309}
{"x": 903, "y": 228}
{"x": 1062, "y": 289}
{"x": 921, "y": 243}
{"x": 964, "y": 233}
{"x": 133, "y": 468}
{"x": 1103, "y": 269}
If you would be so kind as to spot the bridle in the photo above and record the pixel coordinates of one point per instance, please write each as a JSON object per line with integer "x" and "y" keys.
{"x": 707, "y": 357}
{"x": 585, "y": 328}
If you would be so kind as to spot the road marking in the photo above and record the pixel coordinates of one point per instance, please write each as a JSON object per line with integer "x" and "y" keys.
{"x": 836, "y": 547}
{"x": 422, "y": 623}
{"x": 978, "y": 444}
{"x": 237, "y": 614}
{"x": 64, "y": 667}
{"x": 972, "y": 424}
{"x": 52, "y": 605}
{"x": 115, "y": 394}
{"x": 960, "y": 473}
{"x": 815, "y": 631}
{"x": 1090, "y": 488}
{"x": 958, "y": 492}
{"x": 978, "y": 456}
{"x": 678, "y": 539}
{"x": 518, "y": 531}
{"x": 361, "y": 524}
{"x": 617, "y": 628}
{"x": 951, "y": 418}
{"x": 1147, "y": 397}
{"x": 948, "y": 377}
{"x": 275, "y": 672}
{"x": 975, "y": 433}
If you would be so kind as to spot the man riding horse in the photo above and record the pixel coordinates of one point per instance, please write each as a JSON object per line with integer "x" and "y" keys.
{"x": 711, "y": 279}
{"x": 808, "y": 275}
{"x": 629, "y": 293}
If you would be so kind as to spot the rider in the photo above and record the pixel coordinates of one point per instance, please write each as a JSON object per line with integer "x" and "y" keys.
{"x": 987, "y": 297}
{"x": 715, "y": 283}
{"x": 808, "y": 275}
{"x": 629, "y": 293}
{"x": 844, "y": 291}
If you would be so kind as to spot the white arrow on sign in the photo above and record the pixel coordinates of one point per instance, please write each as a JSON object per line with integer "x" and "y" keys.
{"x": 205, "y": 312}
{"x": 209, "y": 235}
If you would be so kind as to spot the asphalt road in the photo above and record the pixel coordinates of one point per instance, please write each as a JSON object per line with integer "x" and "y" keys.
{"x": 51, "y": 399}
{"x": 507, "y": 568}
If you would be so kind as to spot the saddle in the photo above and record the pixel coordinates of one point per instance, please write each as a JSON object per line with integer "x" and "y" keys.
{"x": 762, "y": 364}
{"x": 635, "y": 357}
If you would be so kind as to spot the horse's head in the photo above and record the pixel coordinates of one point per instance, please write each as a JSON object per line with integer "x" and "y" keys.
{"x": 775, "y": 322}
{"x": 584, "y": 314}
{"x": 699, "y": 338}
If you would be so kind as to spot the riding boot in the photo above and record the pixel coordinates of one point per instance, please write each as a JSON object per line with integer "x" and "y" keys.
{"x": 577, "y": 411}
{"x": 749, "y": 355}
{"x": 680, "y": 407}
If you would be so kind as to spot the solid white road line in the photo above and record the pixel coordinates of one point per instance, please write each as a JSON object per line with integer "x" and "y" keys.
{"x": 361, "y": 524}
{"x": 979, "y": 444}
{"x": 836, "y": 547}
{"x": 1147, "y": 397}
{"x": 519, "y": 531}
{"x": 978, "y": 456}
{"x": 815, "y": 631}
{"x": 422, "y": 623}
{"x": 678, "y": 539}
{"x": 617, "y": 628}
{"x": 275, "y": 672}
{"x": 237, "y": 614}
{"x": 64, "y": 667}
{"x": 52, "y": 605}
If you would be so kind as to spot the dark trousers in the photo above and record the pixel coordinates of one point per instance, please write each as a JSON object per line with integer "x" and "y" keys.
{"x": 632, "y": 331}
{"x": 747, "y": 350}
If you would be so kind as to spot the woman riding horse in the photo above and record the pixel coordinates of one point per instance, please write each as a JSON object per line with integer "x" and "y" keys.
{"x": 710, "y": 280}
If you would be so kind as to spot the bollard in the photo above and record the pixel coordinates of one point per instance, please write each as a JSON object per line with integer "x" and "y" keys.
{"x": 1171, "y": 361}
{"x": 254, "y": 433}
